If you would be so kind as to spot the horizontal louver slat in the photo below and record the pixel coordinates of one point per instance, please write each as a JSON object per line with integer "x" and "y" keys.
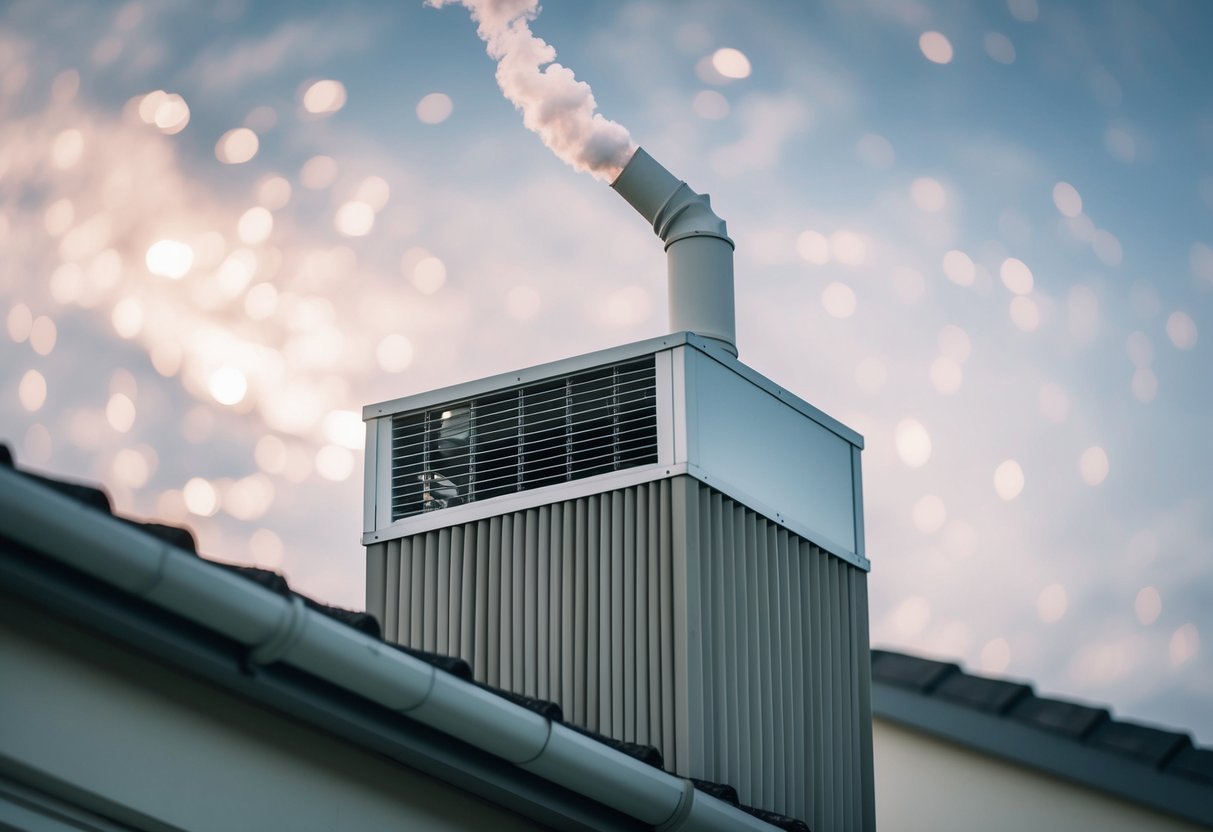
{"x": 552, "y": 431}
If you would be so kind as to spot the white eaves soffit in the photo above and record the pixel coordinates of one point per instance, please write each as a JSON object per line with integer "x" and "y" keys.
{"x": 665, "y": 407}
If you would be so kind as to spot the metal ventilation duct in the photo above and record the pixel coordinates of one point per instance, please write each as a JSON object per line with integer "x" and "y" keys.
{"x": 699, "y": 253}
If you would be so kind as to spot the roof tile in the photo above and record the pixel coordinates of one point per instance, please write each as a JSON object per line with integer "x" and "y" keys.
{"x": 1149, "y": 745}
{"x": 1060, "y": 717}
{"x": 911, "y": 672}
{"x": 993, "y": 695}
{"x": 1193, "y": 763}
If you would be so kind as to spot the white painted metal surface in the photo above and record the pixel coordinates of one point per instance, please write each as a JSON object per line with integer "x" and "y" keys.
{"x": 699, "y": 253}
{"x": 717, "y": 420}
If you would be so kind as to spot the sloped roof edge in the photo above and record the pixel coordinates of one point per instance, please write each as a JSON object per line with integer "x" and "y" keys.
{"x": 1158, "y": 769}
{"x": 277, "y": 629}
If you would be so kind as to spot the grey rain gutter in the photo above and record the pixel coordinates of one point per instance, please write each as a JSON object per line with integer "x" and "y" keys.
{"x": 278, "y": 629}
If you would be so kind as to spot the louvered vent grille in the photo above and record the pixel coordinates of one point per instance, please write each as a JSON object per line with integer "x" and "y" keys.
{"x": 549, "y": 432}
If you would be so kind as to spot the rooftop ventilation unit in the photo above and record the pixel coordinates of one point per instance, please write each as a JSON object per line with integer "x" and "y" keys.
{"x": 656, "y": 537}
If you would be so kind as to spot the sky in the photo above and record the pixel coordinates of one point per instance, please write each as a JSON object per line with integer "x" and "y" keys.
{"x": 980, "y": 234}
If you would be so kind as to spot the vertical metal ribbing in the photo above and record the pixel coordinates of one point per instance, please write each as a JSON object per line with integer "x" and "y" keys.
{"x": 493, "y": 616}
{"x": 616, "y": 545}
{"x": 480, "y": 652}
{"x": 505, "y": 620}
{"x": 627, "y": 701}
{"x": 442, "y": 592}
{"x": 669, "y": 688}
{"x": 530, "y": 604}
{"x": 644, "y": 556}
{"x": 666, "y": 614}
{"x": 518, "y": 624}
{"x": 593, "y": 614}
{"x": 578, "y": 712}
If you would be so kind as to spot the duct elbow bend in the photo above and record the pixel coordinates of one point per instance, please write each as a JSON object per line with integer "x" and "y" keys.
{"x": 699, "y": 252}
{"x": 688, "y": 214}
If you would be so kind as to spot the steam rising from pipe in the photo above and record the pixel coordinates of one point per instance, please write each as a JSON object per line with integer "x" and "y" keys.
{"x": 553, "y": 102}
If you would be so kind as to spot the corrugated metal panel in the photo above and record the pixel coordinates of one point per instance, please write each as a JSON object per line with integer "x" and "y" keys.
{"x": 666, "y": 614}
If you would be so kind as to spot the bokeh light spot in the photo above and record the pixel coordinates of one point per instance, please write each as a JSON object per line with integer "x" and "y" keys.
{"x": 928, "y": 194}
{"x": 954, "y": 343}
{"x": 255, "y": 225}
{"x": 935, "y": 47}
{"x": 394, "y": 353}
{"x": 429, "y": 275}
{"x": 235, "y": 147}
{"x": 334, "y": 463}
{"x": 1067, "y": 199}
{"x": 67, "y": 148}
{"x": 42, "y": 335}
{"x": 1008, "y": 479}
{"x": 324, "y": 97}
{"x": 959, "y": 268}
{"x": 1025, "y": 314}
{"x": 995, "y": 656}
{"x": 169, "y": 258}
{"x": 1016, "y": 275}
{"x": 120, "y": 412}
{"x": 848, "y": 248}
{"x": 434, "y": 108}
{"x": 731, "y": 63}
{"x": 200, "y": 497}
{"x": 913, "y": 442}
{"x": 1024, "y": 11}
{"x": 1147, "y": 606}
{"x": 228, "y": 385}
{"x": 839, "y": 300}
{"x": 813, "y": 246}
{"x": 999, "y": 47}
{"x": 1181, "y": 329}
{"x": 1093, "y": 465}
{"x": 31, "y": 391}
{"x": 355, "y": 219}
{"x": 946, "y": 375}
{"x": 1144, "y": 385}
{"x": 345, "y": 428}
{"x": 930, "y": 513}
{"x": 19, "y": 322}
{"x": 523, "y": 303}
{"x": 318, "y": 172}
{"x": 710, "y": 105}
{"x": 1185, "y": 645}
{"x": 1107, "y": 247}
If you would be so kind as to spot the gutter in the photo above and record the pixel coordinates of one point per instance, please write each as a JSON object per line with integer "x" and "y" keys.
{"x": 277, "y": 629}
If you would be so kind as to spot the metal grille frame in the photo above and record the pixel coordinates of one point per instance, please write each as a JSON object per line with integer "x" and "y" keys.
{"x": 555, "y": 431}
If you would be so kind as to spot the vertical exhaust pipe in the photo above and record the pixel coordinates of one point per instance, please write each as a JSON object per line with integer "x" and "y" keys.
{"x": 699, "y": 253}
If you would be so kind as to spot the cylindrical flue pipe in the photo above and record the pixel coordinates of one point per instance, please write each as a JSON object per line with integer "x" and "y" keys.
{"x": 699, "y": 253}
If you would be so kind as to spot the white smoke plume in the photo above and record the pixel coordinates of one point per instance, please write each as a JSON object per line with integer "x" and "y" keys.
{"x": 553, "y": 102}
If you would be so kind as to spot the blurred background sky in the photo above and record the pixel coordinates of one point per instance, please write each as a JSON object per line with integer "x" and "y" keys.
{"x": 981, "y": 234}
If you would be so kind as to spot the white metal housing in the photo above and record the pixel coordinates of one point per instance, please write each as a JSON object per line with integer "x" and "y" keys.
{"x": 714, "y": 419}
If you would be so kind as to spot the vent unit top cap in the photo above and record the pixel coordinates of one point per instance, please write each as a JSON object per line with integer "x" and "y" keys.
{"x": 679, "y": 405}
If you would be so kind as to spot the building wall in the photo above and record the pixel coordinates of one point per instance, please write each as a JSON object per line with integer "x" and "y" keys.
{"x": 86, "y": 721}
{"x": 927, "y": 784}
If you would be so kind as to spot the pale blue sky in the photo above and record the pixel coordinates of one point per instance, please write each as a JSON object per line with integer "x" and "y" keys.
{"x": 1010, "y": 252}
